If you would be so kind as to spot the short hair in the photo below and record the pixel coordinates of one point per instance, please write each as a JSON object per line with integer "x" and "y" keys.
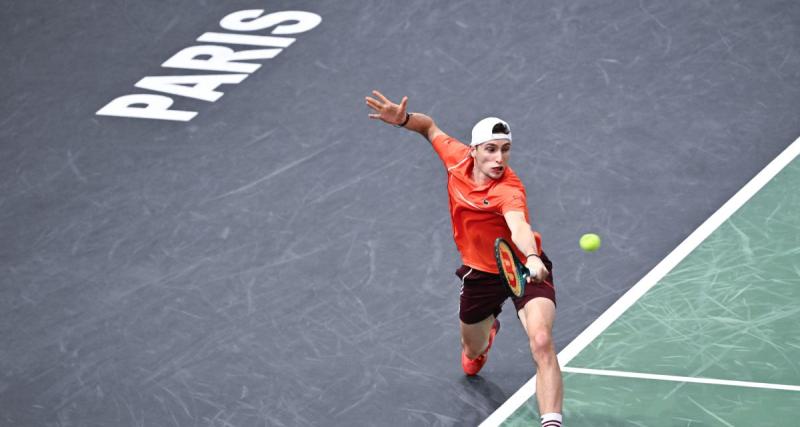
{"x": 501, "y": 127}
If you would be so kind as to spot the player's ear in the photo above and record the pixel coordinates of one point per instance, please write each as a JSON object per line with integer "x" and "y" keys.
{"x": 472, "y": 151}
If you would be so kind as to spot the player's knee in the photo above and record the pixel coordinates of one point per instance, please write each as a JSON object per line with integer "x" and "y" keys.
{"x": 541, "y": 342}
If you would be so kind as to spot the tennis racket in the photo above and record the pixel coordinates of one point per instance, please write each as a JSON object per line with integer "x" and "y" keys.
{"x": 514, "y": 273}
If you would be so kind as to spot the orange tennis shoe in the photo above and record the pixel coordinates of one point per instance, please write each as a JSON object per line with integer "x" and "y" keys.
{"x": 473, "y": 366}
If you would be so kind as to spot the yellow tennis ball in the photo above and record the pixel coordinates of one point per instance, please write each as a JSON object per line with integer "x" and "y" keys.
{"x": 590, "y": 242}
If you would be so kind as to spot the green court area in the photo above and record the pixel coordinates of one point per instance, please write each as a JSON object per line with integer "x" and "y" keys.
{"x": 720, "y": 332}
{"x": 593, "y": 400}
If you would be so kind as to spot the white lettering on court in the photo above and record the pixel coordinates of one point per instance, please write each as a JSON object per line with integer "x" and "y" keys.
{"x": 230, "y": 66}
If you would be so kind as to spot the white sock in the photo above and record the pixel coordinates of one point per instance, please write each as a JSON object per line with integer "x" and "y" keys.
{"x": 552, "y": 419}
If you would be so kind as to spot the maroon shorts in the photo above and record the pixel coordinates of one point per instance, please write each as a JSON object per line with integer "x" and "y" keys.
{"x": 484, "y": 293}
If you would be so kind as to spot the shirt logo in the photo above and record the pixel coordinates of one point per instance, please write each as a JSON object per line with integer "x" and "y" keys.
{"x": 486, "y": 202}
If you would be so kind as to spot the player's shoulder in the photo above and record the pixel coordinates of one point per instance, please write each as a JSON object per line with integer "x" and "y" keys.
{"x": 510, "y": 181}
{"x": 509, "y": 187}
{"x": 452, "y": 151}
{"x": 445, "y": 139}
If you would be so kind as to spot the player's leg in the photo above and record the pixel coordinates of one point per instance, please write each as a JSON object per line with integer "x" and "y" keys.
{"x": 482, "y": 296}
{"x": 537, "y": 316}
{"x": 475, "y": 336}
{"x": 537, "y": 311}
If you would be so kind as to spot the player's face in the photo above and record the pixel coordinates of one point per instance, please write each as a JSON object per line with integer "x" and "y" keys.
{"x": 491, "y": 158}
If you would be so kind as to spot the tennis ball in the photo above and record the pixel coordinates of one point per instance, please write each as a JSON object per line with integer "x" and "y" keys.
{"x": 590, "y": 242}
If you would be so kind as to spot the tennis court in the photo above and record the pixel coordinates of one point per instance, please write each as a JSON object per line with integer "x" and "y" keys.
{"x": 247, "y": 248}
{"x": 713, "y": 342}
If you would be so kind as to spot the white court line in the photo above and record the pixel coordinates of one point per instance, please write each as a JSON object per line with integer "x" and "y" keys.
{"x": 650, "y": 279}
{"x": 696, "y": 380}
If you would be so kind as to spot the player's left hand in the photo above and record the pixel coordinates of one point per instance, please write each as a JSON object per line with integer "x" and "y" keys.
{"x": 538, "y": 270}
{"x": 386, "y": 110}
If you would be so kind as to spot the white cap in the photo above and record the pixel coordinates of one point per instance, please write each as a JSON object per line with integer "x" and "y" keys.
{"x": 482, "y": 131}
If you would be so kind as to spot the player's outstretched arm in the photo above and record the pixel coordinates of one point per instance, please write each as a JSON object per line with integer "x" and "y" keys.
{"x": 397, "y": 115}
{"x": 523, "y": 238}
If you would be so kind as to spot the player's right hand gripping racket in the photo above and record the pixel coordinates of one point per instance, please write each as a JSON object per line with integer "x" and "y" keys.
{"x": 513, "y": 272}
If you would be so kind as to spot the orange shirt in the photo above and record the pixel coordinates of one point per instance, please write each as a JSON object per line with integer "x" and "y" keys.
{"x": 476, "y": 211}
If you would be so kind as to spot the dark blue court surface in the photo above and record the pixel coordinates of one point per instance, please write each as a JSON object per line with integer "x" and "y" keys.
{"x": 279, "y": 259}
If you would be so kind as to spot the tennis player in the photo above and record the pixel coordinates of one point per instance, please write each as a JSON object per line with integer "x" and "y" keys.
{"x": 487, "y": 201}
